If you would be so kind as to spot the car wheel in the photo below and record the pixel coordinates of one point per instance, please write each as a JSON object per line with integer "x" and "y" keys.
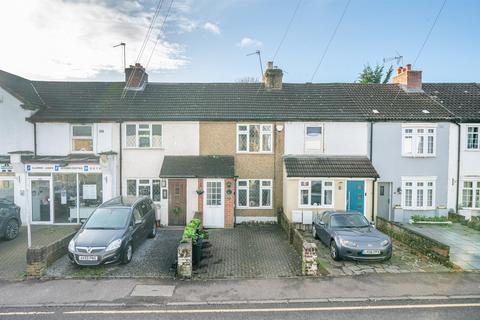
{"x": 334, "y": 251}
{"x": 314, "y": 232}
{"x": 153, "y": 232}
{"x": 127, "y": 253}
{"x": 11, "y": 230}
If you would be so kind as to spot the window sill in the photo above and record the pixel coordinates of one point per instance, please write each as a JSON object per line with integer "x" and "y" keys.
{"x": 471, "y": 150}
{"x": 419, "y": 156}
{"x": 254, "y": 152}
{"x": 418, "y": 209}
{"x": 139, "y": 148}
{"x": 316, "y": 207}
{"x": 255, "y": 208}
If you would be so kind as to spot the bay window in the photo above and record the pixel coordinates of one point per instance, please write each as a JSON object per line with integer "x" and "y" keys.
{"x": 144, "y": 187}
{"x": 82, "y": 138}
{"x": 254, "y": 138}
{"x": 253, "y": 193}
{"x": 472, "y": 138}
{"x": 143, "y": 135}
{"x": 418, "y": 141}
{"x": 418, "y": 193}
{"x": 316, "y": 193}
{"x": 471, "y": 194}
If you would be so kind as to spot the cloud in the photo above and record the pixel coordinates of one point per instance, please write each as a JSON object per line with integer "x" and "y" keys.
{"x": 55, "y": 39}
{"x": 248, "y": 42}
{"x": 211, "y": 27}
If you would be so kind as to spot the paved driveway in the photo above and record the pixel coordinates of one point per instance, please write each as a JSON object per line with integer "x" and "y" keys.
{"x": 13, "y": 253}
{"x": 248, "y": 251}
{"x": 154, "y": 258}
{"x": 464, "y": 242}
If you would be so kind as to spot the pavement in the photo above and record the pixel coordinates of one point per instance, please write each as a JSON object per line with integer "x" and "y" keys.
{"x": 13, "y": 253}
{"x": 464, "y": 242}
{"x": 153, "y": 258}
{"x": 119, "y": 292}
{"x": 249, "y": 251}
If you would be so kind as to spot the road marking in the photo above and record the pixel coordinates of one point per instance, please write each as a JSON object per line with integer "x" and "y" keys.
{"x": 258, "y": 310}
{"x": 32, "y": 313}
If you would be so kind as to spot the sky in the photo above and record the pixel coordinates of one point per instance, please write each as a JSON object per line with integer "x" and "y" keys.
{"x": 209, "y": 40}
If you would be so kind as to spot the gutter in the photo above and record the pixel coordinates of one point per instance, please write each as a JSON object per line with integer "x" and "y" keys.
{"x": 120, "y": 158}
{"x": 35, "y": 139}
{"x": 375, "y": 180}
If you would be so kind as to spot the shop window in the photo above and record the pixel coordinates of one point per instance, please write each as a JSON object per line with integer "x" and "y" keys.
{"x": 6, "y": 190}
{"x": 65, "y": 197}
{"x": 90, "y": 193}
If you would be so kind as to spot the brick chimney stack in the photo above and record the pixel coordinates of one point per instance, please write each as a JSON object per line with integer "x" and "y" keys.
{"x": 272, "y": 78}
{"x": 408, "y": 79}
{"x": 135, "y": 77}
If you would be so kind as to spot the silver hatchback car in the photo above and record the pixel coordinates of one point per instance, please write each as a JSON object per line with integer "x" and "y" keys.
{"x": 349, "y": 235}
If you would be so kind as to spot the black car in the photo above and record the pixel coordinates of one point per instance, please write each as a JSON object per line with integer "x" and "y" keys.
{"x": 349, "y": 235}
{"x": 9, "y": 220}
{"x": 113, "y": 231}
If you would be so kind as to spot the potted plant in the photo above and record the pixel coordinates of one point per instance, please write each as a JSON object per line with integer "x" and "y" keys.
{"x": 200, "y": 191}
{"x": 193, "y": 231}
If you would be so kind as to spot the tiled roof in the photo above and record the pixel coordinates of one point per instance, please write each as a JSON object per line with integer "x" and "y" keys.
{"x": 21, "y": 88}
{"x": 463, "y": 99}
{"x": 102, "y": 101}
{"x": 197, "y": 167}
{"x": 329, "y": 166}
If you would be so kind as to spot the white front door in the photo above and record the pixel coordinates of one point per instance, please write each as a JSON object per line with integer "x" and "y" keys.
{"x": 213, "y": 204}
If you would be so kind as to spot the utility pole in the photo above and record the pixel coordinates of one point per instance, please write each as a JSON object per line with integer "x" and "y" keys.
{"x": 123, "y": 44}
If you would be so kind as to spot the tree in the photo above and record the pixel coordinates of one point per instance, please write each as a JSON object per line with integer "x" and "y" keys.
{"x": 374, "y": 75}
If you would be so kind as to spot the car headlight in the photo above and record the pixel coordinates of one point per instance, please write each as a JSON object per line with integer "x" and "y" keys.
{"x": 385, "y": 243}
{"x": 348, "y": 243}
{"x": 71, "y": 246}
{"x": 114, "y": 245}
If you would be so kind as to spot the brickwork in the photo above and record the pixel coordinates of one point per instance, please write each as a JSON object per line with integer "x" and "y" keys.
{"x": 39, "y": 258}
{"x": 200, "y": 200}
{"x": 184, "y": 259}
{"x": 229, "y": 203}
{"x": 308, "y": 252}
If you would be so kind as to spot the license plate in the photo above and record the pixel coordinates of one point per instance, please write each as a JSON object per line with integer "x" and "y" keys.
{"x": 371, "y": 252}
{"x": 87, "y": 258}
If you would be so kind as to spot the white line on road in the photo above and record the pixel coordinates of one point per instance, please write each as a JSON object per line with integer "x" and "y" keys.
{"x": 32, "y": 313}
{"x": 258, "y": 310}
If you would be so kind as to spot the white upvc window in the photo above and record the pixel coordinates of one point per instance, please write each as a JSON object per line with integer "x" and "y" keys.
{"x": 472, "y": 137}
{"x": 315, "y": 193}
{"x": 82, "y": 138}
{"x": 144, "y": 187}
{"x": 256, "y": 138}
{"x": 471, "y": 194}
{"x": 418, "y": 193}
{"x": 143, "y": 135}
{"x": 313, "y": 137}
{"x": 418, "y": 141}
{"x": 254, "y": 193}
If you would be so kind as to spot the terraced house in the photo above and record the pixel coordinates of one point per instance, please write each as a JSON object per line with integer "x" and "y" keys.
{"x": 240, "y": 152}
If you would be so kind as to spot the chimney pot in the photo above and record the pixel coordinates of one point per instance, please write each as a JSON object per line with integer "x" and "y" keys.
{"x": 409, "y": 66}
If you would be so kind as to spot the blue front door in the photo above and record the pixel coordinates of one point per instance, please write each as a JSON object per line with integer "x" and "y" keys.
{"x": 356, "y": 196}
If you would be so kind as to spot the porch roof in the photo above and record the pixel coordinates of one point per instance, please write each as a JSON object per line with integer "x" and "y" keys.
{"x": 197, "y": 167}
{"x": 83, "y": 158}
{"x": 329, "y": 166}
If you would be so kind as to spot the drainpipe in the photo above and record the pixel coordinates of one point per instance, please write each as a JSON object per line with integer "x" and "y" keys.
{"x": 120, "y": 158}
{"x": 35, "y": 139}
{"x": 457, "y": 198}
{"x": 375, "y": 180}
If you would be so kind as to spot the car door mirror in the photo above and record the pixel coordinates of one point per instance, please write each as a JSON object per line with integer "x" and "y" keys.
{"x": 138, "y": 222}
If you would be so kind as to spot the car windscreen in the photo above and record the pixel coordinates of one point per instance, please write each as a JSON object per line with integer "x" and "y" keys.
{"x": 349, "y": 221}
{"x": 108, "y": 218}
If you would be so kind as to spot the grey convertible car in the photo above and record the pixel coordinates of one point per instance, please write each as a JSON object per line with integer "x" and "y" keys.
{"x": 113, "y": 231}
{"x": 349, "y": 235}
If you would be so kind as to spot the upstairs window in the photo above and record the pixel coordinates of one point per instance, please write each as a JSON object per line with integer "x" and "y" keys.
{"x": 316, "y": 193}
{"x": 143, "y": 135}
{"x": 313, "y": 137}
{"x": 82, "y": 138}
{"x": 418, "y": 142}
{"x": 254, "y": 138}
{"x": 418, "y": 193}
{"x": 472, "y": 138}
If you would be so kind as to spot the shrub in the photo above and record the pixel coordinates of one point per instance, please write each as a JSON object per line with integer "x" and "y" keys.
{"x": 194, "y": 230}
{"x": 474, "y": 223}
{"x": 418, "y": 218}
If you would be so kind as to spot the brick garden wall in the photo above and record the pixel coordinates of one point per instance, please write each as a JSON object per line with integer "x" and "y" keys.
{"x": 416, "y": 241}
{"x": 229, "y": 202}
{"x": 184, "y": 259}
{"x": 39, "y": 259}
